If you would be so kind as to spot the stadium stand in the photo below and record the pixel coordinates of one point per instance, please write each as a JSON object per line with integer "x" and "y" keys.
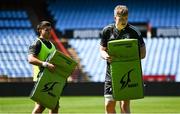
{"x": 87, "y": 50}
{"x": 161, "y": 59}
{"x": 16, "y": 35}
{"x": 83, "y": 14}
{"x": 162, "y": 52}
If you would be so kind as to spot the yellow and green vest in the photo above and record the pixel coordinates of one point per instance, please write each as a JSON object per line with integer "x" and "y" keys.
{"x": 43, "y": 54}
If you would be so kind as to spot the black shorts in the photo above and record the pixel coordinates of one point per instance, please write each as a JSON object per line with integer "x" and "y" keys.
{"x": 108, "y": 88}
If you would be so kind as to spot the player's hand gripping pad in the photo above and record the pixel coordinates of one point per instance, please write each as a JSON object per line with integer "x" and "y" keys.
{"x": 49, "y": 86}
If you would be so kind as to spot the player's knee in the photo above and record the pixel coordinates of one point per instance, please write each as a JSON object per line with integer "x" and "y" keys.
{"x": 110, "y": 106}
{"x": 125, "y": 106}
{"x": 55, "y": 111}
{"x": 125, "y": 103}
{"x": 38, "y": 109}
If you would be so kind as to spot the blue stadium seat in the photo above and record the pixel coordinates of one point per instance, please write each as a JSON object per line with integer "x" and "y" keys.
{"x": 14, "y": 45}
{"x": 162, "y": 57}
{"x": 86, "y": 15}
{"x": 20, "y": 14}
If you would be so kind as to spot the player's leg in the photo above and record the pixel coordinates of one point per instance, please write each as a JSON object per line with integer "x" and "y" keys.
{"x": 38, "y": 108}
{"x": 54, "y": 111}
{"x": 110, "y": 104}
{"x": 125, "y": 106}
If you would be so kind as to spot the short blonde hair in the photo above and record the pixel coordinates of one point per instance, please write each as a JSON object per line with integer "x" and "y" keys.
{"x": 121, "y": 10}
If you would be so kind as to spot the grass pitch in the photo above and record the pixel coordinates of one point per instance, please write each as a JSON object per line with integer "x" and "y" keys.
{"x": 92, "y": 104}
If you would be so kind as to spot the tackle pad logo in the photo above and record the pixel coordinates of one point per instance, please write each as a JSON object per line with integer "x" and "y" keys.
{"x": 48, "y": 87}
{"x": 125, "y": 80}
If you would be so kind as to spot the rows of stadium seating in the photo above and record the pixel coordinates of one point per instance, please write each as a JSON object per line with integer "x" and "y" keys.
{"x": 12, "y": 18}
{"x": 90, "y": 58}
{"x": 13, "y": 52}
{"x": 162, "y": 57}
{"x": 19, "y": 14}
{"x": 83, "y": 14}
{"x": 16, "y": 36}
{"x": 15, "y": 23}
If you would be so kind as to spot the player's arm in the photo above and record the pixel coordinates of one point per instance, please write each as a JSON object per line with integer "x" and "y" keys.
{"x": 32, "y": 59}
{"x": 104, "y": 54}
{"x": 104, "y": 35}
{"x": 143, "y": 51}
{"x": 141, "y": 44}
{"x": 34, "y": 50}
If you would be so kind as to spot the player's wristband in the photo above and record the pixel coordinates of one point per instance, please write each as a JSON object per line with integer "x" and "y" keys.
{"x": 45, "y": 64}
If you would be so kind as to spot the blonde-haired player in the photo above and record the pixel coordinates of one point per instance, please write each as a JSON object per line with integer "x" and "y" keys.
{"x": 119, "y": 30}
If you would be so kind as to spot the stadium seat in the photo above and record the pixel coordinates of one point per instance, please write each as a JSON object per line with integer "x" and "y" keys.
{"x": 158, "y": 13}
{"x": 161, "y": 59}
{"x": 16, "y": 35}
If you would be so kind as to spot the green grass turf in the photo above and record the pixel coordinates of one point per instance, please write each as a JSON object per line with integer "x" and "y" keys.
{"x": 84, "y": 104}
